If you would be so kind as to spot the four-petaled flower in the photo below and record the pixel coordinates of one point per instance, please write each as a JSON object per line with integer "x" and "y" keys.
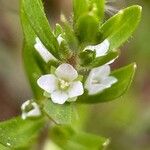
{"x": 30, "y": 109}
{"x": 99, "y": 80}
{"x": 63, "y": 85}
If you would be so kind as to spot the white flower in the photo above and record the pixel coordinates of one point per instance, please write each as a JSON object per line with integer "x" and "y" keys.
{"x": 44, "y": 53}
{"x": 60, "y": 39}
{"x": 30, "y": 109}
{"x": 100, "y": 49}
{"x": 42, "y": 50}
{"x": 99, "y": 80}
{"x": 62, "y": 86}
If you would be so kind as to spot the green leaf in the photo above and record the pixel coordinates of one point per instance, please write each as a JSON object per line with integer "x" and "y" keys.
{"x": 87, "y": 28}
{"x": 58, "y": 30}
{"x": 17, "y": 133}
{"x": 32, "y": 68}
{"x": 2, "y": 147}
{"x": 120, "y": 27}
{"x": 99, "y": 8}
{"x": 124, "y": 75}
{"x": 39, "y": 23}
{"x": 99, "y": 61}
{"x": 60, "y": 114}
{"x": 80, "y": 7}
{"x": 70, "y": 139}
{"x": 89, "y": 61}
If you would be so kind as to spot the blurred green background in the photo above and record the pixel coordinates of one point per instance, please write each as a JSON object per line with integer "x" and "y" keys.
{"x": 125, "y": 121}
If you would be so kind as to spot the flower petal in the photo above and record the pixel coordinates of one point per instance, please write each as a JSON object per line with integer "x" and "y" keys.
{"x": 35, "y": 112}
{"x": 99, "y": 79}
{"x": 25, "y": 104}
{"x": 41, "y": 49}
{"x": 66, "y": 72}
{"x": 76, "y": 89}
{"x": 97, "y": 74}
{"x": 48, "y": 83}
{"x": 60, "y": 39}
{"x": 102, "y": 71}
{"x": 95, "y": 88}
{"x": 107, "y": 82}
{"x": 59, "y": 97}
{"x": 101, "y": 49}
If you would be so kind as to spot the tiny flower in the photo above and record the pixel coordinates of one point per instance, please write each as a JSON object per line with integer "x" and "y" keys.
{"x": 60, "y": 39}
{"x": 44, "y": 53}
{"x": 62, "y": 86}
{"x": 42, "y": 50}
{"x": 30, "y": 109}
{"x": 100, "y": 49}
{"x": 99, "y": 80}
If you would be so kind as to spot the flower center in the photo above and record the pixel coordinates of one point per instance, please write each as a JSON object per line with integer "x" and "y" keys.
{"x": 63, "y": 84}
{"x": 95, "y": 81}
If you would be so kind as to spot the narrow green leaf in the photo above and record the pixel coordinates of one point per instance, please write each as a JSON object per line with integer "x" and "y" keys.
{"x": 33, "y": 71}
{"x": 70, "y": 139}
{"x": 60, "y": 114}
{"x": 120, "y": 27}
{"x": 99, "y": 8}
{"x": 87, "y": 28}
{"x": 58, "y": 30}
{"x": 80, "y": 7}
{"x": 17, "y": 133}
{"x": 88, "y": 60}
{"x": 85, "y": 141}
{"x": 32, "y": 68}
{"x": 124, "y": 76}
{"x": 99, "y": 61}
{"x": 39, "y": 23}
{"x": 2, "y": 147}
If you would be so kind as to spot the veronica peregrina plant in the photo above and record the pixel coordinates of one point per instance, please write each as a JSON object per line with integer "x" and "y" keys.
{"x": 68, "y": 66}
